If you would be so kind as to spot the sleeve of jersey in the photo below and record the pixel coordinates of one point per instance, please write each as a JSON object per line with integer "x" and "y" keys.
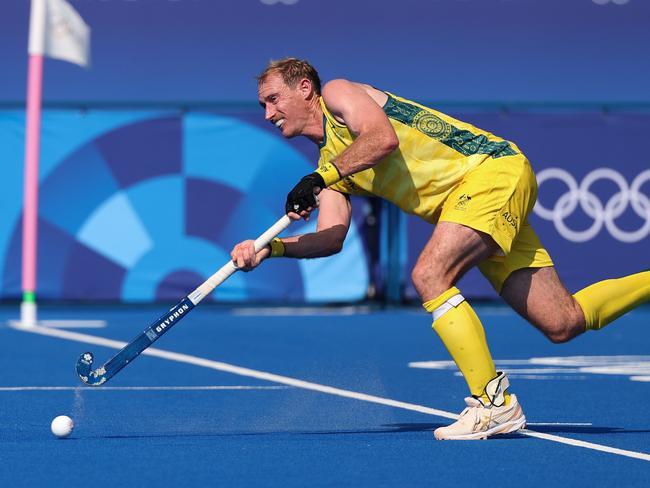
{"x": 341, "y": 187}
{"x": 347, "y": 186}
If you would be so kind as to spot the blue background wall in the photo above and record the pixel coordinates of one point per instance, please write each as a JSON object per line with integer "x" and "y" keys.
{"x": 141, "y": 198}
{"x": 143, "y": 206}
{"x": 488, "y": 50}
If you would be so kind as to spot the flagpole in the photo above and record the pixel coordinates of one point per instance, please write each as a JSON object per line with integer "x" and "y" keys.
{"x": 32, "y": 153}
{"x": 30, "y": 202}
{"x": 70, "y": 43}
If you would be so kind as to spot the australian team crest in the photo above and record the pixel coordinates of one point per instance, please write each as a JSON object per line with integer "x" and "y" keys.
{"x": 432, "y": 125}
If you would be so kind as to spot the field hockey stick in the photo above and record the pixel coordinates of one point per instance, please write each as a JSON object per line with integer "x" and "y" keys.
{"x": 166, "y": 321}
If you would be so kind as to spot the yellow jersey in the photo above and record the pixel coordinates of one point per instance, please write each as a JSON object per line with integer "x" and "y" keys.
{"x": 435, "y": 152}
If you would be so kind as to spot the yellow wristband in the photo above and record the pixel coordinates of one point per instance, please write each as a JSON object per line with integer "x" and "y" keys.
{"x": 330, "y": 173}
{"x": 277, "y": 247}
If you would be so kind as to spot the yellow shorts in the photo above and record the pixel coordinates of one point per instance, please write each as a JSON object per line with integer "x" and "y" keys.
{"x": 496, "y": 198}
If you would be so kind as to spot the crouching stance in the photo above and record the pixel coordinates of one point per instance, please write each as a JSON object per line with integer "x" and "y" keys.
{"x": 477, "y": 188}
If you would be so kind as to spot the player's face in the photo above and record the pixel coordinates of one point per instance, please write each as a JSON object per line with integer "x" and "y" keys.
{"x": 284, "y": 107}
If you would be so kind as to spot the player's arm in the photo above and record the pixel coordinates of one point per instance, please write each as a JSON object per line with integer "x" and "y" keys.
{"x": 375, "y": 137}
{"x": 333, "y": 223}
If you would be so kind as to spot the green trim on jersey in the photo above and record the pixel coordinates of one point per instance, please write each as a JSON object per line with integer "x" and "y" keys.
{"x": 429, "y": 124}
{"x": 322, "y": 145}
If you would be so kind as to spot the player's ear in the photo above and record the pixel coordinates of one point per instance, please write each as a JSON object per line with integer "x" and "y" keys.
{"x": 306, "y": 88}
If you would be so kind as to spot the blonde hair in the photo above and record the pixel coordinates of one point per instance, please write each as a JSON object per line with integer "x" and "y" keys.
{"x": 292, "y": 71}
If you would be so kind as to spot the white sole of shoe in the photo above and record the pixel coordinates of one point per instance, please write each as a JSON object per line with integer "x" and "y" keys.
{"x": 504, "y": 428}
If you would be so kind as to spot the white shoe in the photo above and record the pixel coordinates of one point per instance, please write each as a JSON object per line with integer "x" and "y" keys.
{"x": 480, "y": 422}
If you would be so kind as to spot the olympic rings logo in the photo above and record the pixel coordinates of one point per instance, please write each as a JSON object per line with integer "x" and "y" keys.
{"x": 602, "y": 214}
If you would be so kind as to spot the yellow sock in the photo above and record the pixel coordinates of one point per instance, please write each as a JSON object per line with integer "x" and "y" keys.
{"x": 607, "y": 300}
{"x": 462, "y": 334}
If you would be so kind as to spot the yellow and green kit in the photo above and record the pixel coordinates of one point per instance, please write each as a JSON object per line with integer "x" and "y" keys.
{"x": 448, "y": 170}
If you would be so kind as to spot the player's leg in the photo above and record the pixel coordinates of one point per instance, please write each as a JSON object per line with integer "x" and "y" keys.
{"x": 528, "y": 281}
{"x": 540, "y": 297}
{"x": 451, "y": 251}
{"x": 479, "y": 219}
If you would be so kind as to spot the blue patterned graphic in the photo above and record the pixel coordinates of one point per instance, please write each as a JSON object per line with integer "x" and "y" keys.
{"x": 148, "y": 209}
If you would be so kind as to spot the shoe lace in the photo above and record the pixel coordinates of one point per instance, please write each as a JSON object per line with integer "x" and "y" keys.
{"x": 478, "y": 417}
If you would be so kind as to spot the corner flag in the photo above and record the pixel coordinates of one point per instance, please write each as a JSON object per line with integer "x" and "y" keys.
{"x": 57, "y": 31}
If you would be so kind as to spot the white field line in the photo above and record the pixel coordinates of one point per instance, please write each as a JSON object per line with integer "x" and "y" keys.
{"x": 307, "y": 311}
{"x": 141, "y": 388}
{"x": 563, "y": 424}
{"x": 514, "y": 376}
{"x": 74, "y": 324}
{"x": 65, "y": 324}
{"x": 285, "y": 380}
{"x": 586, "y": 445}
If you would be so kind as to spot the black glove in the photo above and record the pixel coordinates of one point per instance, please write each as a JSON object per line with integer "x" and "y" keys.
{"x": 302, "y": 196}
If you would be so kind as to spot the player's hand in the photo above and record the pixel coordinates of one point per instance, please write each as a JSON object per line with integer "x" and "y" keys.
{"x": 302, "y": 199}
{"x": 245, "y": 257}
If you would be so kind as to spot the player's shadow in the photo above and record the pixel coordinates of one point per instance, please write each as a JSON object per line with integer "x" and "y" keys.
{"x": 583, "y": 429}
{"x": 384, "y": 429}
{"x": 391, "y": 428}
{"x": 542, "y": 429}
{"x": 431, "y": 427}
{"x": 410, "y": 427}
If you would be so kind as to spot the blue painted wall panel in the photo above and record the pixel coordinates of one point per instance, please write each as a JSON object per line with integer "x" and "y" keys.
{"x": 153, "y": 205}
{"x": 494, "y": 50}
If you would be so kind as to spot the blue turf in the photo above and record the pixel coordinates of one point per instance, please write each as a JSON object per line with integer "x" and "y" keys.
{"x": 295, "y": 437}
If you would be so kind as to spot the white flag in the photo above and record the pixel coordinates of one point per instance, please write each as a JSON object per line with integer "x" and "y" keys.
{"x": 56, "y": 30}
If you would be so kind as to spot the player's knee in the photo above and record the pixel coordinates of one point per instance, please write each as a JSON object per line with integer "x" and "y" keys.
{"x": 421, "y": 279}
{"x": 418, "y": 277}
{"x": 558, "y": 336}
{"x": 564, "y": 327}
{"x": 428, "y": 281}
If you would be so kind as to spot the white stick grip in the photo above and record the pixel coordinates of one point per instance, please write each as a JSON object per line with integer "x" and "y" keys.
{"x": 229, "y": 268}
{"x": 262, "y": 241}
